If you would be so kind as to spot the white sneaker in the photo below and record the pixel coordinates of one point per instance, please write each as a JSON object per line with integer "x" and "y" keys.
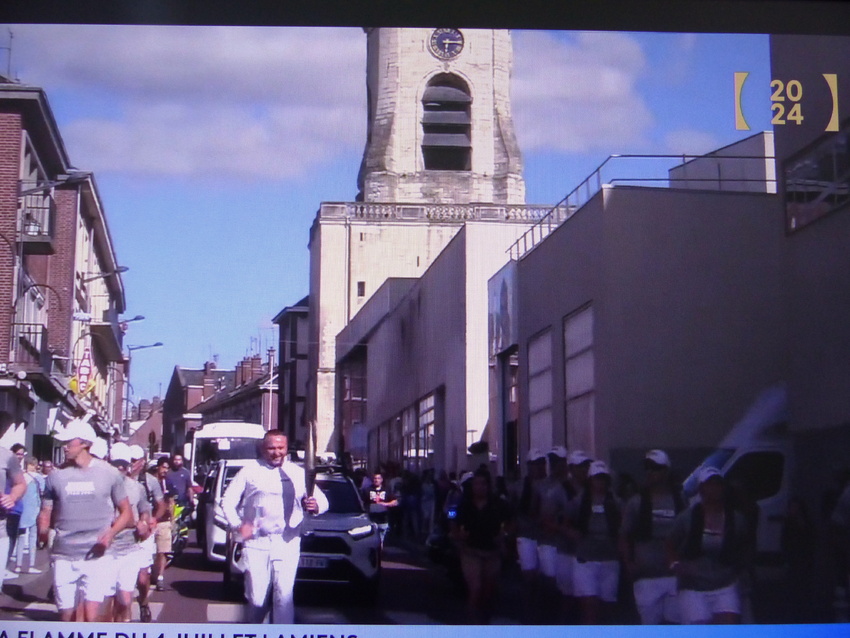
{"x": 34, "y": 570}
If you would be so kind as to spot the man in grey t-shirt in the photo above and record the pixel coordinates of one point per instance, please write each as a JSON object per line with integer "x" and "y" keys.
{"x": 81, "y": 502}
{"x": 13, "y": 486}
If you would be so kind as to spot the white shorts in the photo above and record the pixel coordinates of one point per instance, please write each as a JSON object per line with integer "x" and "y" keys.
{"x": 526, "y": 549}
{"x": 128, "y": 569}
{"x": 547, "y": 555}
{"x": 93, "y": 578}
{"x": 564, "y": 568}
{"x": 698, "y": 607}
{"x": 656, "y": 600}
{"x": 147, "y": 549}
{"x": 596, "y": 578}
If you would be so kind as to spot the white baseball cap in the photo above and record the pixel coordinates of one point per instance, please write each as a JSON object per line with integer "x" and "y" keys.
{"x": 120, "y": 452}
{"x": 465, "y": 477}
{"x": 535, "y": 455}
{"x": 707, "y": 472}
{"x": 659, "y": 457}
{"x": 560, "y": 451}
{"x": 77, "y": 429}
{"x": 99, "y": 448}
{"x": 137, "y": 452}
{"x": 577, "y": 457}
{"x": 597, "y": 468}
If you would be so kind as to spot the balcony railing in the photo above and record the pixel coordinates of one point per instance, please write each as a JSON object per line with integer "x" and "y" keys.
{"x": 37, "y": 219}
{"x": 458, "y": 213}
{"x": 715, "y": 172}
{"x": 29, "y": 346}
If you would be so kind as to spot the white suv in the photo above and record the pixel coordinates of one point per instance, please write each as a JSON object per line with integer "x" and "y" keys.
{"x": 341, "y": 546}
{"x": 211, "y": 525}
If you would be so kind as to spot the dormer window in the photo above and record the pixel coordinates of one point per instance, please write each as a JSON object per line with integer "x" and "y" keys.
{"x": 446, "y": 125}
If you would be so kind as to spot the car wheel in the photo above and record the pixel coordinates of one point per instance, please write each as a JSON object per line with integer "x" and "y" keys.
{"x": 370, "y": 591}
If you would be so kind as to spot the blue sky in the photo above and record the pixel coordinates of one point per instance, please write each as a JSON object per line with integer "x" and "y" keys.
{"x": 212, "y": 148}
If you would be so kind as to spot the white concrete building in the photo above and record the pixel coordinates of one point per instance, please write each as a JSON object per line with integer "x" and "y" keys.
{"x": 422, "y": 346}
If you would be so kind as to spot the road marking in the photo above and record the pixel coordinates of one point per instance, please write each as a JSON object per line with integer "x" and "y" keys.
{"x": 225, "y": 612}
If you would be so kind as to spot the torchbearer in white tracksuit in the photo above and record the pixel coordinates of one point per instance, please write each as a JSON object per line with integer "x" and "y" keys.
{"x": 266, "y": 502}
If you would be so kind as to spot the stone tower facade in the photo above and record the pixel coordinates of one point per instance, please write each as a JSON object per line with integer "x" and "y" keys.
{"x": 440, "y": 152}
{"x": 439, "y": 123}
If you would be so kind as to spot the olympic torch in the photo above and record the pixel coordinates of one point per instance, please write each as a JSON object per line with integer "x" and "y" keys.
{"x": 310, "y": 460}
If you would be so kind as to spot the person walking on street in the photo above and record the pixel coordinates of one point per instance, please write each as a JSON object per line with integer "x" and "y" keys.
{"x": 528, "y": 533}
{"x": 596, "y": 573}
{"x": 156, "y": 500}
{"x": 181, "y": 480}
{"x": 80, "y": 502}
{"x": 708, "y": 549}
{"x": 647, "y": 520}
{"x": 127, "y": 545}
{"x": 266, "y": 502}
{"x": 479, "y": 529}
{"x": 12, "y": 477}
{"x": 13, "y": 519}
{"x": 380, "y": 501}
{"x": 31, "y": 505}
{"x": 163, "y": 534}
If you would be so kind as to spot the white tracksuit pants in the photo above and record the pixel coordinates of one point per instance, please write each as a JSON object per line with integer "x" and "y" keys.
{"x": 271, "y": 563}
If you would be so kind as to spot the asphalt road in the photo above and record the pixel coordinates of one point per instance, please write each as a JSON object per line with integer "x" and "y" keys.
{"x": 413, "y": 591}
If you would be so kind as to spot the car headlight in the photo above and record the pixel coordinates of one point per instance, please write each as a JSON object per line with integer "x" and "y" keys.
{"x": 361, "y": 532}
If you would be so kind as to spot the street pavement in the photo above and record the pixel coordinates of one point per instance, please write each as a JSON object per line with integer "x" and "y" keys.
{"x": 414, "y": 591}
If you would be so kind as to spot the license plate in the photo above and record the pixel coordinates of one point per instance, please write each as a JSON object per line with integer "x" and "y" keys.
{"x": 312, "y": 562}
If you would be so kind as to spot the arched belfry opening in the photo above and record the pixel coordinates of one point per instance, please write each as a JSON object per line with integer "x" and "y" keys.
{"x": 446, "y": 124}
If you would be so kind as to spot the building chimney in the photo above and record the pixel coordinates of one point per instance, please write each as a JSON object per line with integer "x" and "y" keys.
{"x": 144, "y": 409}
{"x": 256, "y": 367}
{"x": 209, "y": 379}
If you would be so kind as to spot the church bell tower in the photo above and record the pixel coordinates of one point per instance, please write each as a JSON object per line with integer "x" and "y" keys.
{"x": 440, "y": 128}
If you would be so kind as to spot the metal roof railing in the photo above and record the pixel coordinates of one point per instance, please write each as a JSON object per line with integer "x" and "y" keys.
{"x": 728, "y": 173}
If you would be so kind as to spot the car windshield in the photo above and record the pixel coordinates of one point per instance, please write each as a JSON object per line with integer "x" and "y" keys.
{"x": 342, "y": 497}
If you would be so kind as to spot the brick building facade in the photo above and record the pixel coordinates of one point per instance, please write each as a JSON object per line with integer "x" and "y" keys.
{"x": 61, "y": 292}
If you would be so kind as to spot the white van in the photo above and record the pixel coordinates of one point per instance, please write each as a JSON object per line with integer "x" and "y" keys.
{"x": 757, "y": 453}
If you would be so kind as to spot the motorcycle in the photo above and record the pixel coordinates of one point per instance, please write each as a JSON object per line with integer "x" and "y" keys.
{"x": 181, "y": 518}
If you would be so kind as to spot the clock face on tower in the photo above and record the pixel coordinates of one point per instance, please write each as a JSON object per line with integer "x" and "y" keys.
{"x": 446, "y": 44}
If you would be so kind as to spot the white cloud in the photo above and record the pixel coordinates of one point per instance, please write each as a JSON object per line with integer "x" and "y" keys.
{"x": 690, "y": 142}
{"x": 191, "y": 101}
{"x": 577, "y": 92}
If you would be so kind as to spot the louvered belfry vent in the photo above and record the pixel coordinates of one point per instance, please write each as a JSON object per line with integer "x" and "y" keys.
{"x": 446, "y": 125}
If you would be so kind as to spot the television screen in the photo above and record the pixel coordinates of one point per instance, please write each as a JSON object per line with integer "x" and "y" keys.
{"x": 561, "y": 295}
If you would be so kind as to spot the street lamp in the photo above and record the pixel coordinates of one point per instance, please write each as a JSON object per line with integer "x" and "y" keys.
{"x": 104, "y": 275}
{"x": 130, "y": 350}
{"x": 62, "y": 180}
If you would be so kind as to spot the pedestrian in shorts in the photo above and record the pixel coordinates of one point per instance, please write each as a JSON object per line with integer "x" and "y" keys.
{"x": 80, "y": 502}
{"x": 163, "y": 534}
{"x": 12, "y": 478}
{"x": 596, "y": 573}
{"x": 708, "y": 549}
{"x": 156, "y": 500}
{"x": 647, "y": 520}
{"x": 130, "y": 554}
